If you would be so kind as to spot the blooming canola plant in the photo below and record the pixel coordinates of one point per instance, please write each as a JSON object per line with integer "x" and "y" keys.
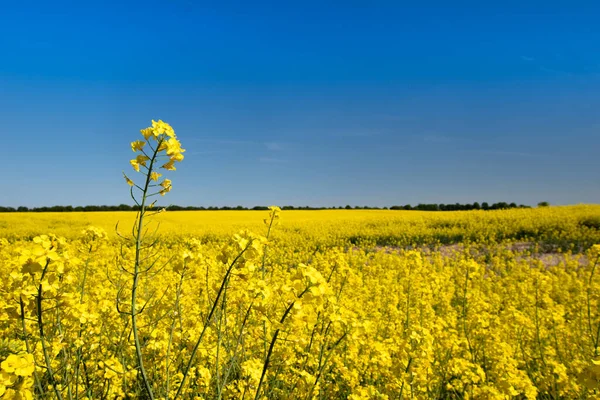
{"x": 323, "y": 305}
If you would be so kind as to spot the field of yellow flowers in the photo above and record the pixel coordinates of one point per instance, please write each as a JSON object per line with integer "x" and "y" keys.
{"x": 298, "y": 305}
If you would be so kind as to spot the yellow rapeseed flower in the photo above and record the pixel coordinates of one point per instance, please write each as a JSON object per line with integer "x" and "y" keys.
{"x": 154, "y": 176}
{"x": 169, "y": 166}
{"x": 142, "y": 159}
{"x": 147, "y": 133}
{"x": 166, "y": 184}
{"x": 129, "y": 181}
{"x": 19, "y": 364}
{"x": 135, "y": 164}
{"x": 137, "y": 145}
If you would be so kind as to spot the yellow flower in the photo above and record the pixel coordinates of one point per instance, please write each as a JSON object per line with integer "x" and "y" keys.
{"x": 135, "y": 165}
{"x": 137, "y": 145}
{"x": 31, "y": 267}
{"x": 8, "y": 378}
{"x": 21, "y": 364}
{"x": 166, "y": 184}
{"x": 177, "y": 157}
{"x": 169, "y": 166}
{"x": 174, "y": 146}
{"x": 154, "y": 176}
{"x": 129, "y": 181}
{"x": 163, "y": 146}
{"x": 147, "y": 133}
{"x": 161, "y": 127}
{"x": 141, "y": 159}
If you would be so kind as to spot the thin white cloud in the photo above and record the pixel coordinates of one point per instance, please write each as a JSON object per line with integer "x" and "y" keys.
{"x": 527, "y": 58}
{"x": 203, "y": 153}
{"x": 357, "y": 134}
{"x": 436, "y": 138}
{"x": 555, "y": 71}
{"x": 274, "y": 146}
{"x": 226, "y": 141}
{"x": 396, "y": 117}
{"x": 271, "y": 160}
{"x": 511, "y": 153}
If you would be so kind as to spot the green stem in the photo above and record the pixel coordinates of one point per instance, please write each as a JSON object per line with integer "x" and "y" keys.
{"x": 177, "y": 310}
{"x": 207, "y": 322}
{"x": 589, "y": 311}
{"x": 28, "y": 347}
{"x": 40, "y": 322}
{"x": 263, "y": 270}
{"x": 136, "y": 277}
{"x": 272, "y": 345}
{"x": 235, "y": 351}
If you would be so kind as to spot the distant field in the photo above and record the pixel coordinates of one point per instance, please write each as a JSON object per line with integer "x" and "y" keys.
{"x": 383, "y": 227}
{"x": 185, "y": 222}
{"x": 342, "y": 304}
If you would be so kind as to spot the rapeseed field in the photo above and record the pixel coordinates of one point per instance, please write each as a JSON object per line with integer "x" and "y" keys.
{"x": 297, "y": 305}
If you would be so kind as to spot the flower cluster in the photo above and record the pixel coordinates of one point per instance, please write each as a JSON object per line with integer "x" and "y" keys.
{"x": 16, "y": 371}
{"x": 160, "y": 145}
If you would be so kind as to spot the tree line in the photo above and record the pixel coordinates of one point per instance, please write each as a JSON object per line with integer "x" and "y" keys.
{"x": 463, "y": 207}
{"x": 418, "y": 207}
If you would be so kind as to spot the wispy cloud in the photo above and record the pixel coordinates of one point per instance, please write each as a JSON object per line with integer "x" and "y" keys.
{"x": 510, "y": 153}
{"x": 271, "y": 160}
{"x": 226, "y": 141}
{"x": 555, "y": 71}
{"x": 396, "y": 117}
{"x": 358, "y": 134}
{"x": 204, "y": 153}
{"x": 274, "y": 146}
{"x": 544, "y": 68}
{"x": 436, "y": 138}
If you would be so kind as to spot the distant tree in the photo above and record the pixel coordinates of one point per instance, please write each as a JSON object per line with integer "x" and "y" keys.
{"x": 421, "y": 206}
{"x": 499, "y": 206}
{"x": 543, "y": 204}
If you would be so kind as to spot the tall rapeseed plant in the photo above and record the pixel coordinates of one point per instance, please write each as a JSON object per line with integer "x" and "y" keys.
{"x": 160, "y": 146}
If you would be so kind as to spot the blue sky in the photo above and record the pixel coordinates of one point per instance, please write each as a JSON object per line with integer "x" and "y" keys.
{"x": 304, "y": 103}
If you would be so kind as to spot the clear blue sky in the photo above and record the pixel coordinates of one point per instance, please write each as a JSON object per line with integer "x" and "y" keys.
{"x": 304, "y": 103}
